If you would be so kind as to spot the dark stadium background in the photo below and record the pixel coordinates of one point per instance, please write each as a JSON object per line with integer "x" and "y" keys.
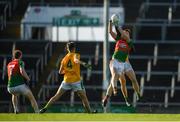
{"x": 155, "y": 26}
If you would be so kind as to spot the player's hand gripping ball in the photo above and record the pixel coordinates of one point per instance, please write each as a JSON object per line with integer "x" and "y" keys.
{"x": 115, "y": 19}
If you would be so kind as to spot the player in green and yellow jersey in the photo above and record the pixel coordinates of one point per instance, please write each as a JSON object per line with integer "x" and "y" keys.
{"x": 70, "y": 67}
{"x": 16, "y": 81}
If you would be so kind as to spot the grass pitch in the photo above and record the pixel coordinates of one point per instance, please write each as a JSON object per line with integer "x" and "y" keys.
{"x": 67, "y": 117}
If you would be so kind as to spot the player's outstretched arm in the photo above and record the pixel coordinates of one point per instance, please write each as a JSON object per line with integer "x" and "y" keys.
{"x": 61, "y": 70}
{"x": 76, "y": 60}
{"x": 86, "y": 65}
{"x": 123, "y": 34}
{"x": 110, "y": 30}
{"x": 24, "y": 74}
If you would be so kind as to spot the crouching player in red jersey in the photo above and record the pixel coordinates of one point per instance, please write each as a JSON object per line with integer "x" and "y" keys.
{"x": 16, "y": 83}
{"x": 120, "y": 65}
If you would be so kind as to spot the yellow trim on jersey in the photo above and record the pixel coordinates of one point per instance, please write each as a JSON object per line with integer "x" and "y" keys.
{"x": 71, "y": 69}
{"x": 127, "y": 59}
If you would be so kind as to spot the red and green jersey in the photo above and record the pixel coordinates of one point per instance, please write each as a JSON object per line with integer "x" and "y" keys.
{"x": 14, "y": 76}
{"x": 122, "y": 50}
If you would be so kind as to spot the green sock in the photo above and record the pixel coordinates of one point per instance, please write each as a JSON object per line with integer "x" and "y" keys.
{"x": 138, "y": 94}
{"x": 46, "y": 106}
{"x": 126, "y": 98}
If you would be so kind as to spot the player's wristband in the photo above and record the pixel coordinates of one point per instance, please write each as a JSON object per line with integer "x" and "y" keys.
{"x": 118, "y": 26}
{"x": 88, "y": 66}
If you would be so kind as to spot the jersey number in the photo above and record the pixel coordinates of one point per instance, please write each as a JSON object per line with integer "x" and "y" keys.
{"x": 69, "y": 64}
{"x": 11, "y": 67}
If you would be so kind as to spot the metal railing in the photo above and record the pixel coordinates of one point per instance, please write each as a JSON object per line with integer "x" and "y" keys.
{"x": 163, "y": 29}
{"x": 31, "y": 74}
{"x": 145, "y": 6}
{"x": 45, "y": 92}
{"x": 1, "y": 22}
{"x": 90, "y": 4}
{"x": 160, "y": 21}
{"x": 47, "y": 52}
{"x": 41, "y": 59}
{"x": 53, "y": 76}
{"x": 162, "y": 24}
{"x": 156, "y": 1}
{"x": 6, "y": 13}
{"x": 38, "y": 69}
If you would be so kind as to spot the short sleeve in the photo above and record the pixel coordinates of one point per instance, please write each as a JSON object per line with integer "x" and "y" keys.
{"x": 118, "y": 37}
{"x": 130, "y": 43}
{"x": 78, "y": 55}
{"x": 62, "y": 61}
{"x": 21, "y": 64}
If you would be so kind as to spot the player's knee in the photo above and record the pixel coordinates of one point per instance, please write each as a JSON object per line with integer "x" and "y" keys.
{"x": 114, "y": 76}
{"x": 123, "y": 84}
{"x": 55, "y": 97}
{"x": 82, "y": 95}
{"x": 28, "y": 94}
{"x": 133, "y": 80}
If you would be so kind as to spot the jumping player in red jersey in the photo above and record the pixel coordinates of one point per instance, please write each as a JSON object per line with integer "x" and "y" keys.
{"x": 16, "y": 83}
{"x": 119, "y": 65}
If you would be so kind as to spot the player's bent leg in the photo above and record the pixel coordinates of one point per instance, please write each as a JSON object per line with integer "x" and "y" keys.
{"x": 124, "y": 89}
{"x": 107, "y": 96}
{"x": 123, "y": 85}
{"x": 15, "y": 91}
{"x": 58, "y": 94}
{"x": 115, "y": 69}
{"x": 34, "y": 104}
{"x": 114, "y": 83}
{"x": 132, "y": 77}
{"x": 83, "y": 97}
{"x": 109, "y": 90}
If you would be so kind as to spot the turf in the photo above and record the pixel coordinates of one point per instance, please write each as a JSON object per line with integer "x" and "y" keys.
{"x": 89, "y": 117}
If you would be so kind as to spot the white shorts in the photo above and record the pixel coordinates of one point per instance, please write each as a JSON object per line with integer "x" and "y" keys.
{"x": 72, "y": 86}
{"x": 128, "y": 67}
{"x": 20, "y": 89}
{"x": 120, "y": 67}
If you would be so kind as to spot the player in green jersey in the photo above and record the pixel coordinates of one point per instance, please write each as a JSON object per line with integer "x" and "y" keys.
{"x": 119, "y": 65}
{"x": 16, "y": 84}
